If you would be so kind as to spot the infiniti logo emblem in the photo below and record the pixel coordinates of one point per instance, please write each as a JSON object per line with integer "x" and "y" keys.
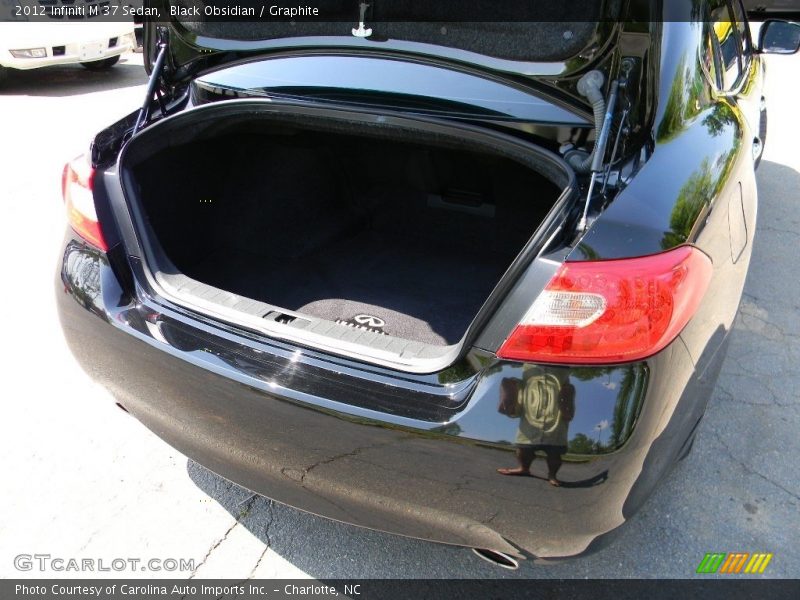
{"x": 369, "y": 321}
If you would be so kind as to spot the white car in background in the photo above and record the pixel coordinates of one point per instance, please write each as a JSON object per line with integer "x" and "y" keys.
{"x": 31, "y": 45}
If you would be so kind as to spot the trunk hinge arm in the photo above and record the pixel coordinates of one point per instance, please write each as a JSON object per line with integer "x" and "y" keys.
{"x": 598, "y": 167}
{"x": 599, "y": 152}
{"x": 153, "y": 88}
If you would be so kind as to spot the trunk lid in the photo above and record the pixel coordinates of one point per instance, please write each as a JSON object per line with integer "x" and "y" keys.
{"x": 528, "y": 43}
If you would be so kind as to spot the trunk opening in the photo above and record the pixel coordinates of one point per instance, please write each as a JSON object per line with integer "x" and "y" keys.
{"x": 358, "y": 233}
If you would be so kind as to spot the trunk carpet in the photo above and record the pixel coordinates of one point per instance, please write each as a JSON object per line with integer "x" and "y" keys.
{"x": 423, "y": 290}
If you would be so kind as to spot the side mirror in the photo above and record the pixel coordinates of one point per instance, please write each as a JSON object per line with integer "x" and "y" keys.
{"x": 779, "y": 37}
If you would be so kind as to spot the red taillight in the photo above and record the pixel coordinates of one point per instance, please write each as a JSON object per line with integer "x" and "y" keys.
{"x": 611, "y": 311}
{"x": 76, "y": 186}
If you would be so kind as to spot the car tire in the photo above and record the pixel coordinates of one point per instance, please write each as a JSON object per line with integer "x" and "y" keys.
{"x": 762, "y": 135}
{"x": 101, "y": 65}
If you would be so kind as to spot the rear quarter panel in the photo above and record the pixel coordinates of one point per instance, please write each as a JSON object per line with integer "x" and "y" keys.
{"x": 698, "y": 187}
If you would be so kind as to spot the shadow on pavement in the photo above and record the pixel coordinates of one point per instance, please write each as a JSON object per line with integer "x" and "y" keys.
{"x": 72, "y": 80}
{"x": 328, "y": 549}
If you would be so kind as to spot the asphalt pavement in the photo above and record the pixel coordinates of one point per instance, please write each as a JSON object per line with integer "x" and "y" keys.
{"x": 82, "y": 479}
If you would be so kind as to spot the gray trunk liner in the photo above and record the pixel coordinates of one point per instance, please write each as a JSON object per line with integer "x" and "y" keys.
{"x": 422, "y": 289}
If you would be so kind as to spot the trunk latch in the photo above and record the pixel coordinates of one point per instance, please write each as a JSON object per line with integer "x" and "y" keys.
{"x": 361, "y": 31}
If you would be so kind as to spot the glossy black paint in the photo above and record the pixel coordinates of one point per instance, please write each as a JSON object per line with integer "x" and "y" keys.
{"x": 197, "y": 49}
{"x": 434, "y": 90}
{"x": 261, "y": 414}
{"x": 418, "y": 455}
{"x": 698, "y": 135}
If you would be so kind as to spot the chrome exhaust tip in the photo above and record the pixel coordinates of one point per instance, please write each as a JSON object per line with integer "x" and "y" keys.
{"x": 498, "y": 559}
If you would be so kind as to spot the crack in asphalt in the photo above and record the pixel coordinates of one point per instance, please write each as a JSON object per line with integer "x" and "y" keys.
{"x": 728, "y": 396}
{"x": 268, "y": 543}
{"x": 750, "y": 469}
{"x": 242, "y": 514}
{"x": 744, "y": 323}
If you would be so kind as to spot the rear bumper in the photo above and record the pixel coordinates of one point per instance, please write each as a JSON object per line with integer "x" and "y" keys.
{"x": 411, "y": 455}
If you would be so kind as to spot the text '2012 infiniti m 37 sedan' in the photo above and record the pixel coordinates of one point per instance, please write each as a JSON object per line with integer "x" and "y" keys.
{"x": 468, "y": 283}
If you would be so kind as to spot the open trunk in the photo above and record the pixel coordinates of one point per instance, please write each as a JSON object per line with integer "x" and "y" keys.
{"x": 360, "y": 234}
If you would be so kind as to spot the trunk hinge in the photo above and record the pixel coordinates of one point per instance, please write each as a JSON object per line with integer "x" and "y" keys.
{"x": 599, "y": 153}
{"x": 617, "y": 86}
{"x": 153, "y": 87}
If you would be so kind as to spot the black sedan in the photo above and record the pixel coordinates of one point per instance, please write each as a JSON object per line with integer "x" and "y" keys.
{"x": 468, "y": 282}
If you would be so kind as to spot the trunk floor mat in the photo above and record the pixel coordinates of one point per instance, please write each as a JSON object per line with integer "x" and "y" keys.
{"x": 417, "y": 289}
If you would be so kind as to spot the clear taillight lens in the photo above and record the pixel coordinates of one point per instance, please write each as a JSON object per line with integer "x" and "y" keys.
{"x": 76, "y": 185}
